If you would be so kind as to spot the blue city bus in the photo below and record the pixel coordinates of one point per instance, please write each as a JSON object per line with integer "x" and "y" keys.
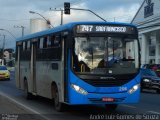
{"x": 81, "y": 63}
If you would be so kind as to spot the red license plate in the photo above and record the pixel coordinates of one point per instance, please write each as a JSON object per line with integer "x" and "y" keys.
{"x": 105, "y": 99}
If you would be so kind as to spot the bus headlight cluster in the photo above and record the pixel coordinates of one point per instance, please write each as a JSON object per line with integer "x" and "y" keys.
{"x": 79, "y": 89}
{"x": 134, "y": 88}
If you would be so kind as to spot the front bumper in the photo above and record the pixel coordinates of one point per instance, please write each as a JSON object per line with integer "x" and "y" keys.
{"x": 97, "y": 98}
{"x": 97, "y": 95}
{"x": 5, "y": 77}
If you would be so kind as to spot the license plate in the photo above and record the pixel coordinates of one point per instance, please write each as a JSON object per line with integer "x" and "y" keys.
{"x": 105, "y": 99}
{"x": 1, "y": 76}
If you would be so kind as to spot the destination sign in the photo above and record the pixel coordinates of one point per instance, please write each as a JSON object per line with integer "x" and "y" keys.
{"x": 105, "y": 28}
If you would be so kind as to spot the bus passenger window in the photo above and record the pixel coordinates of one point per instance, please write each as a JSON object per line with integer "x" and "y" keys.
{"x": 49, "y": 42}
{"x": 57, "y": 41}
{"x": 24, "y": 46}
{"x": 52, "y": 38}
{"x": 41, "y": 43}
{"x": 45, "y": 42}
{"x": 28, "y": 45}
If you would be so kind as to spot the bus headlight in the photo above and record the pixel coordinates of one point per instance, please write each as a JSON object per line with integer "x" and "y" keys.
{"x": 79, "y": 89}
{"x": 134, "y": 88}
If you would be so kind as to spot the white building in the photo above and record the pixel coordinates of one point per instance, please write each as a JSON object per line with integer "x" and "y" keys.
{"x": 147, "y": 19}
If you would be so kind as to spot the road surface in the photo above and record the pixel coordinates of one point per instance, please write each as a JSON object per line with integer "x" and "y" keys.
{"x": 147, "y": 108}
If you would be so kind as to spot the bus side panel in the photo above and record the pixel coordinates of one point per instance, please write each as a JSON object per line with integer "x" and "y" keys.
{"x": 25, "y": 74}
{"x": 17, "y": 67}
{"x": 49, "y": 69}
{"x": 48, "y": 72}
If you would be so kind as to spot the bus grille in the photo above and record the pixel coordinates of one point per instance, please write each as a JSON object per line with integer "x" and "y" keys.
{"x": 106, "y": 83}
{"x": 118, "y": 80}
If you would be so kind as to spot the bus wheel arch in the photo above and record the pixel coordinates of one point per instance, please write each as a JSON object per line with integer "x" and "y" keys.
{"x": 53, "y": 86}
{"x": 59, "y": 106}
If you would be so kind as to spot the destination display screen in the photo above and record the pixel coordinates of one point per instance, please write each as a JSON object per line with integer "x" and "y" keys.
{"x": 105, "y": 29}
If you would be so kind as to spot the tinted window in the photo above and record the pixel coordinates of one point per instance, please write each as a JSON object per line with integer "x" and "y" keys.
{"x": 45, "y": 42}
{"x": 24, "y": 46}
{"x": 41, "y": 43}
{"x": 28, "y": 45}
{"x": 3, "y": 68}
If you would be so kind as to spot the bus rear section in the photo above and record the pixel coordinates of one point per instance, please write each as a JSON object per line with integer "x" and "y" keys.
{"x": 104, "y": 65}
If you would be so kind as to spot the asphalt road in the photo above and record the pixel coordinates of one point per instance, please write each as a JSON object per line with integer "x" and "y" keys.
{"x": 11, "y": 111}
{"x": 148, "y": 108}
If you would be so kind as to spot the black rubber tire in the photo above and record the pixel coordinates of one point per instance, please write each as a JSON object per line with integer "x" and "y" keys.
{"x": 57, "y": 104}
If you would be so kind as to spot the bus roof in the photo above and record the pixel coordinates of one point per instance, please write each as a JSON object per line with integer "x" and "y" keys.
{"x": 68, "y": 26}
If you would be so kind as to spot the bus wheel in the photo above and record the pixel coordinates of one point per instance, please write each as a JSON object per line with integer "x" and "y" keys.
{"x": 27, "y": 94}
{"x": 57, "y": 104}
{"x": 111, "y": 107}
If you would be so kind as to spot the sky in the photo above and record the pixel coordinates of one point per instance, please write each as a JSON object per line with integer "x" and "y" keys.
{"x": 16, "y": 13}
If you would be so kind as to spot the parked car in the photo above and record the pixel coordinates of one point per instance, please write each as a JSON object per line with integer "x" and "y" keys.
{"x": 154, "y": 67}
{"x": 4, "y": 73}
{"x": 150, "y": 80}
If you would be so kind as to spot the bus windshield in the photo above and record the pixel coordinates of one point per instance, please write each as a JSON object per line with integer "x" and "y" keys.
{"x": 105, "y": 55}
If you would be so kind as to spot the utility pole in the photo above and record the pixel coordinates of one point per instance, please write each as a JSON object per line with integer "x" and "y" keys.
{"x": 22, "y": 27}
{"x": 61, "y": 14}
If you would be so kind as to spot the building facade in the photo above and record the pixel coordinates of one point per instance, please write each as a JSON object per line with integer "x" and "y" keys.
{"x": 147, "y": 19}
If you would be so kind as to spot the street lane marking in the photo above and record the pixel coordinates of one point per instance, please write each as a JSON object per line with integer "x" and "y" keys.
{"x": 129, "y": 106}
{"x": 24, "y": 106}
{"x": 153, "y": 112}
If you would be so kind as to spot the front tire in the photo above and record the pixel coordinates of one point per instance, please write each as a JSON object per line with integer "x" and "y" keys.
{"x": 57, "y": 104}
{"x": 111, "y": 107}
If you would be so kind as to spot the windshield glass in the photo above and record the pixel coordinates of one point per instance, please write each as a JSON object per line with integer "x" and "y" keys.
{"x": 105, "y": 55}
{"x": 3, "y": 68}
